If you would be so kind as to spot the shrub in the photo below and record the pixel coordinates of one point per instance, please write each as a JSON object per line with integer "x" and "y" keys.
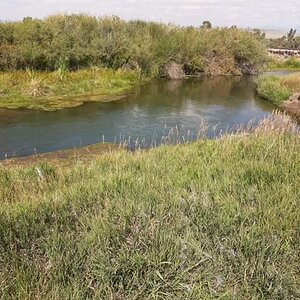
{"x": 81, "y": 41}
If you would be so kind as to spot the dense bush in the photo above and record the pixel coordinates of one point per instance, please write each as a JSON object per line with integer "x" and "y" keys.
{"x": 79, "y": 41}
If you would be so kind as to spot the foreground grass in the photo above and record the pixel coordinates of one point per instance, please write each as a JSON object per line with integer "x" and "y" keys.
{"x": 278, "y": 89}
{"x": 216, "y": 219}
{"x": 61, "y": 89}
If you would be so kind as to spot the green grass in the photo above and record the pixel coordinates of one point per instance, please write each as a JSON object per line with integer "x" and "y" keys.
{"x": 272, "y": 89}
{"x": 57, "y": 90}
{"x": 286, "y": 64}
{"x": 215, "y": 219}
{"x": 278, "y": 89}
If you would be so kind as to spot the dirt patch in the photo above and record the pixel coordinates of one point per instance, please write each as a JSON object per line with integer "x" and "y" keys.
{"x": 174, "y": 71}
{"x": 63, "y": 158}
{"x": 292, "y": 105}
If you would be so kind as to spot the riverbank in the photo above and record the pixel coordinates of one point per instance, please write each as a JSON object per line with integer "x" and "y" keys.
{"x": 278, "y": 64}
{"x": 63, "y": 89}
{"x": 76, "y": 42}
{"x": 204, "y": 220}
{"x": 63, "y": 158}
{"x": 283, "y": 92}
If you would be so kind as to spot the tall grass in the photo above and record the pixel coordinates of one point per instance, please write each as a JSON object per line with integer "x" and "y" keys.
{"x": 81, "y": 41}
{"x": 292, "y": 82}
{"x": 215, "y": 219}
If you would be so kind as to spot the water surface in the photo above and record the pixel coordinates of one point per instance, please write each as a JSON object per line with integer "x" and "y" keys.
{"x": 150, "y": 111}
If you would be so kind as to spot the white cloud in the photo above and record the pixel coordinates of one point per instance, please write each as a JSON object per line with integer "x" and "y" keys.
{"x": 254, "y": 13}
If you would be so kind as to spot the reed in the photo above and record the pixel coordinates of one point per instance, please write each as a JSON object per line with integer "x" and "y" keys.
{"x": 81, "y": 41}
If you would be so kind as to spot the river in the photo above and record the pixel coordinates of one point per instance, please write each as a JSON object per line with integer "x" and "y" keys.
{"x": 147, "y": 114}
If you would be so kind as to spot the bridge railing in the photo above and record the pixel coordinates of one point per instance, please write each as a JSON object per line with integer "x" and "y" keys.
{"x": 284, "y": 52}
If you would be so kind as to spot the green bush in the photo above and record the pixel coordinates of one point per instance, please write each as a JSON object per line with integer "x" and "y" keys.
{"x": 80, "y": 41}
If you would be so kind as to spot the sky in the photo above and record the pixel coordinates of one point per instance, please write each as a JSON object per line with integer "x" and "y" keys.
{"x": 267, "y": 14}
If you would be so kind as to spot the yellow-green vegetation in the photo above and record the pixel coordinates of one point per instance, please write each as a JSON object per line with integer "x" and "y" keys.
{"x": 61, "y": 45}
{"x": 272, "y": 89}
{"x": 278, "y": 89}
{"x": 81, "y": 41}
{"x": 216, "y": 219}
{"x": 291, "y": 63}
{"x": 60, "y": 89}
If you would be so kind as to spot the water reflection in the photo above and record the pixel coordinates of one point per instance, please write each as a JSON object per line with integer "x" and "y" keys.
{"x": 150, "y": 109}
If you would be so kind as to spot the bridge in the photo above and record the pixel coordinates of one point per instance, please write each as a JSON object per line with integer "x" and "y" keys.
{"x": 285, "y": 52}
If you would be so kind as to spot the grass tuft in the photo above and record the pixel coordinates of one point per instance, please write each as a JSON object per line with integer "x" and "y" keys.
{"x": 36, "y": 89}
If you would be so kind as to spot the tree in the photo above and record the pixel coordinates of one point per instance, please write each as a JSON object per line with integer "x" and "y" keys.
{"x": 291, "y": 38}
{"x": 27, "y": 19}
{"x": 206, "y": 24}
{"x": 291, "y": 34}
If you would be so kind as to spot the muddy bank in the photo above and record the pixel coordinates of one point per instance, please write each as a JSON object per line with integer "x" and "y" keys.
{"x": 58, "y": 103}
{"x": 63, "y": 158}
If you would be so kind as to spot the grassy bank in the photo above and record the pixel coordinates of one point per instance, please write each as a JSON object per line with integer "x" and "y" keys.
{"x": 60, "y": 89}
{"x": 272, "y": 89}
{"x": 284, "y": 64}
{"x": 278, "y": 89}
{"x": 216, "y": 219}
{"x": 61, "y": 43}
